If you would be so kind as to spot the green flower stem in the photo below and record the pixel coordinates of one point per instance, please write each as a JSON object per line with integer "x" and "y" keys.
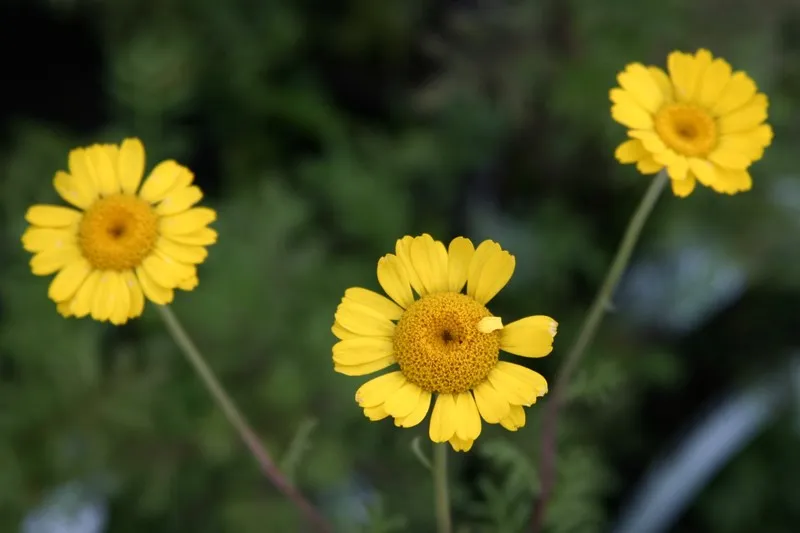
{"x": 442, "y": 498}
{"x": 238, "y": 421}
{"x": 547, "y": 465}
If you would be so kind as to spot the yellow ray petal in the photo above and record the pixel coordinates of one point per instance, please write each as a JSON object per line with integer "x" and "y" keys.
{"x": 394, "y": 280}
{"x": 403, "y": 401}
{"x": 417, "y": 415}
{"x": 460, "y": 254}
{"x": 529, "y": 337}
{"x": 380, "y": 304}
{"x": 360, "y": 350}
{"x": 492, "y": 405}
{"x": 468, "y": 420}
{"x": 78, "y": 192}
{"x": 375, "y": 391}
{"x": 179, "y": 200}
{"x": 52, "y": 216}
{"x": 443, "y": 419}
{"x": 515, "y": 418}
{"x": 429, "y": 259}
{"x": 68, "y": 280}
{"x": 130, "y": 165}
{"x": 363, "y": 320}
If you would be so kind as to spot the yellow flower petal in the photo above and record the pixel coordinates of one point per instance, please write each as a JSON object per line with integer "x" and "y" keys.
{"x": 166, "y": 273}
{"x": 750, "y": 143}
{"x": 468, "y": 420}
{"x": 39, "y": 239}
{"x": 102, "y": 168}
{"x": 375, "y": 413}
{"x": 663, "y": 82}
{"x": 678, "y": 168}
{"x": 529, "y": 337}
{"x": 121, "y": 309}
{"x": 443, "y": 419}
{"x": 713, "y": 82}
{"x": 188, "y": 284}
{"x": 631, "y": 151}
{"x": 489, "y": 324}
{"x": 52, "y": 216}
{"x": 68, "y": 280}
{"x": 375, "y": 391}
{"x": 490, "y": 271}
{"x": 165, "y": 177}
{"x": 746, "y": 117}
{"x": 154, "y": 292}
{"x": 52, "y": 259}
{"x": 107, "y": 294}
{"x": 727, "y": 157}
{"x": 186, "y": 222}
{"x": 429, "y": 259}
{"x": 492, "y": 405}
{"x": 460, "y": 254}
{"x": 360, "y": 350}
{"x": 417, "y": 415}
{"x": 685, "y": 187}
{"x": 363, "y": 320}
{"x": 403, "y": 401}
{"x": 394, "y": 281}
{"x": 200, "y": 237}
{"x": 137, "y": 296}
{"x": 739, "y": 90}
{"x": 78, "y": 192}
{"x": 65, "y": 308}
{"x": 648, "y": 166}
{"x": 683, "y": 69}
{"x": 703, "y": 170}
{"x": 732, "y": 181}
{"x": 343, "y": 333}
{"x": 632, "y": 116}
{"x": 181, "y": 252}
{"x": 380, "y": 304}
{"x": 515, "y": 418}
{"x": 130, "y": 165}
{"x": 636, "y": 79}
{"x": 365, "y": 368}
{"x": 80, "y": 169}
{"x": 179, "y": 200}
{"x": 651, "y": 141}
{"x": 84, "y": 298}
{"x": 517, "y": 384}
{"x": 403, "y": 252}
{"x": 460, "y": 445}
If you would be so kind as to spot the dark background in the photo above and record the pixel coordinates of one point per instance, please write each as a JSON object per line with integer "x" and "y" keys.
{"x": 322, "y": 132}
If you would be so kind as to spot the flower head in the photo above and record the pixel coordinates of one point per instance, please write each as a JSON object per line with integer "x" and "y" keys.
{"x": 703, "y": 122}
{"x": 123, "y": 243}
{"x": 446, "y": 344}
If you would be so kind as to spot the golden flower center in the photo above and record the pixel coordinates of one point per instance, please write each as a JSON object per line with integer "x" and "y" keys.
{"x": 118, "y": 232}
{"x": 438, "y": 346}
{"x": 688, "y": 129}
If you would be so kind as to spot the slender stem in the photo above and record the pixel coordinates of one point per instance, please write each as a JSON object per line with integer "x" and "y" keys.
{"x": 238, "y": 421}
{"x": 547, "y": 464}
{"x": 442, "y": 499}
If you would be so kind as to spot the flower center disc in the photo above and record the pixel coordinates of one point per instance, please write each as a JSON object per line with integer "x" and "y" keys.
{"x": 118, "y": 232}
{"x": 438, "y": 346}
{"x": 688, "y": 129}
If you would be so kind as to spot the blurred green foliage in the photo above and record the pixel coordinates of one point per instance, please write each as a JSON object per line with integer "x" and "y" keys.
{"x": 322, "y": 132}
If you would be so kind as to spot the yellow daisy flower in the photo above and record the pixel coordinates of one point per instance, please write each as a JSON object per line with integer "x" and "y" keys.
{"x": 703, "y": 122}
{"x": 123, "y": 243}
{"x": 446, "y": 343}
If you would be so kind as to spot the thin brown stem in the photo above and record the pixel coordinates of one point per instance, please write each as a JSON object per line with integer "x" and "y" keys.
{"x": 238, "y": 421}
{"x": 548, "y": 451}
